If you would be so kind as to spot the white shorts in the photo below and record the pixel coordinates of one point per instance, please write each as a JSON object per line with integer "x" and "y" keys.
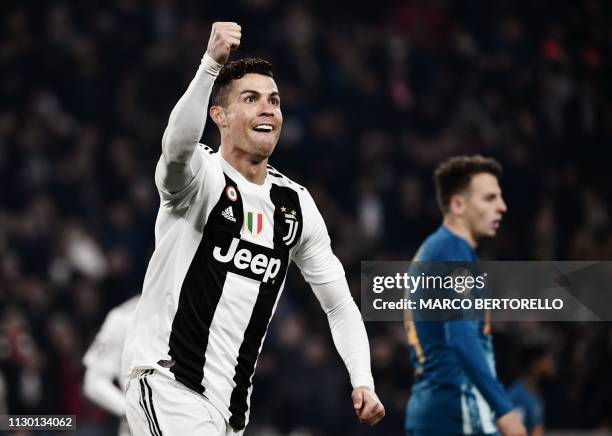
{"x": 157, "y": 405}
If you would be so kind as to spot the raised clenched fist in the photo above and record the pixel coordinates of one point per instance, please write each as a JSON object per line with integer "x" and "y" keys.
{"x": 224, "y": 37}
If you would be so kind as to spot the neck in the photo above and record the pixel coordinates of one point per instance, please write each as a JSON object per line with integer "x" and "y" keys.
{"x": 252, "y": 170}
{"x": 459, "y": 228}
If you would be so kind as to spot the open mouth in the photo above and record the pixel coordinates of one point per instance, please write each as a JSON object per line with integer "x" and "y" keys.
{"x": 265, "y": 128}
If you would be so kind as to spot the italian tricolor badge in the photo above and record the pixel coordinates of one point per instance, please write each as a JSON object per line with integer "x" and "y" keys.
{"x": 254, "y": 222}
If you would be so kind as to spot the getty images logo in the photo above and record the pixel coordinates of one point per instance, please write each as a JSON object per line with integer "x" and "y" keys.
{"x": 259, "y": 264}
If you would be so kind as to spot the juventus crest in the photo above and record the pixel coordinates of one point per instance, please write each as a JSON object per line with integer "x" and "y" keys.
{"x": 293, "y": 224}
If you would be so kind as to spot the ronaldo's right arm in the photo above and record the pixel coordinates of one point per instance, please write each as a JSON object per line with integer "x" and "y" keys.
{"x": 176, "y": 168}
{"x": 185, "y": 128}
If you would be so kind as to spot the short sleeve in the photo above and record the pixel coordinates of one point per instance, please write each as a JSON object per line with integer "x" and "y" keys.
{"x": 314, "y": 255}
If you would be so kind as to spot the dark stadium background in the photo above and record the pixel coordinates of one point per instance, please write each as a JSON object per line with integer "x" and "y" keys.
{"x": 374, "y": 95}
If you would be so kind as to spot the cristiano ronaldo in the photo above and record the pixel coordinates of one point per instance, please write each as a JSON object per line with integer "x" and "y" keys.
{"x": 227, "y": 229}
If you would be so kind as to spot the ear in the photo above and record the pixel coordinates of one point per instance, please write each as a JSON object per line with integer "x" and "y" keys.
{"x": 457, "y": 204}
{"x": 218, "y": 116}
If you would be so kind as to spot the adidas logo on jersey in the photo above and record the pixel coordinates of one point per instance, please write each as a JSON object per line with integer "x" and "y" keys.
{"x": 260, "y": 264}
{"x": 229, "y": 214}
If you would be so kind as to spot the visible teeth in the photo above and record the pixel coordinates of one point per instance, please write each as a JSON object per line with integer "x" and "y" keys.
{"x": 264, "y": 127}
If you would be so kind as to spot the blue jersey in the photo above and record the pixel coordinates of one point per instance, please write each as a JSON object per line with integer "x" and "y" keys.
{"x": 528, "y": 404}
{"x": 455, "y": 389}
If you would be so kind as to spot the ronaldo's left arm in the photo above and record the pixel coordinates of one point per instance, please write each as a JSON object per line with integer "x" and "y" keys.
{"x": 351, "y": 341}
{"x": 322, "y": 269}
{"x": 348, "y": 331}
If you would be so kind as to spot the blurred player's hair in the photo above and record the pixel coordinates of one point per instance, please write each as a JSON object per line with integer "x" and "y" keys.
{"x": 236, "y": 70}
{"x": 533, "y": 348}
{"x": 453, "y": 176}
{"x": 532, "y": 354}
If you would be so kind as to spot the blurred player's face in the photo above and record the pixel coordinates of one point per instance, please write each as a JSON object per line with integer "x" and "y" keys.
{"x": 546, "y": 366}
{"x": 253, "y": 117}
{"x": 484, "y": 205}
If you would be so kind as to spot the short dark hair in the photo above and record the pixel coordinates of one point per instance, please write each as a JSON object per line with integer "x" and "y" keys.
{"x": 532, "y": 353}
{"x": 235, "y": 70}
{"x": 455, "y": 174}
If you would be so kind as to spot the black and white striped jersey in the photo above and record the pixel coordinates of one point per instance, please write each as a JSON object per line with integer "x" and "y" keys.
{"x": 223, "y": 246}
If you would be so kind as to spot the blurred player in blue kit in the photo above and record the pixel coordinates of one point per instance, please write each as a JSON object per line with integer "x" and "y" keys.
{"x": 456, "y": 391}
{"x": 538, "y": 360}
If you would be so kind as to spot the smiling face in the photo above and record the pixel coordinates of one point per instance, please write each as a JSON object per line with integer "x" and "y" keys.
{"x": 250, "y": 119}
{"x": 483, "y": 205}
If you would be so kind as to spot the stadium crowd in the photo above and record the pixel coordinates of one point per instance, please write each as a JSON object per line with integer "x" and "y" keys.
{"x": 373, "y": 99}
